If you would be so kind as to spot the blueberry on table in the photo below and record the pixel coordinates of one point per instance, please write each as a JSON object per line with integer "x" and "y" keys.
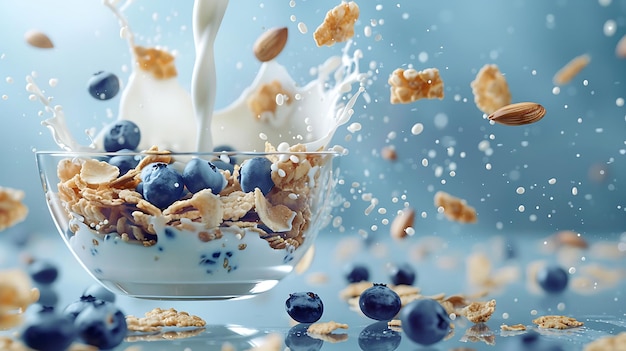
{"x": 103, "y": 85}
{"x": 99, "y": 292}
{"x": 122, "y": 134}
{"x": 304, "y": 307}
{"x": 553, "y": 279}
{"x": 43, "y": 271}
{"x": 200, "y": 174}
{"x": 162, "y": 185}
{"x": 402, "y": 274}
{"x": 75, "y": 308}
{"x": 378, "y": 337}
{"x": 379, "y": 302}
{"x": 355, "y": 273}
{"x": 425, "y": 321}
{"x": 47, "y": 330}
{"x": 101, "y": 324}
{"x": 256, "y": 173}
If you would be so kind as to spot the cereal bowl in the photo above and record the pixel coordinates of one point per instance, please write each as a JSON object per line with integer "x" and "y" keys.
{"x": 157, "y": 227}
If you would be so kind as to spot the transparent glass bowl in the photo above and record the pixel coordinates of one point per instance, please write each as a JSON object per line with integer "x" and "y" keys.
{"x": 203, "y": 246}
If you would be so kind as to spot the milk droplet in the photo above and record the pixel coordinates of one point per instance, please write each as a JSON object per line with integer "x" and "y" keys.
{"x": 520, "y": 190}
{"x": 417, "y": 129}
{"x": 302, "y": 28}
{"x": 552, "y": 181}
{"x": 609, "y": 28}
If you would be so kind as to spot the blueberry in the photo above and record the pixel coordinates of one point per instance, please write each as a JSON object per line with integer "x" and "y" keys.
{"x": 553, "y": 279}
{"x": 75, "y": 308}
{"x": 47, "y": 330}
{"x": 530, "y": 341}
{"x": 43, "y": 271}
{"x": 379, "y": 302}
{"x": 297, "y": 339}
{"x": 402, "y": 274}
{"x": 101, "y": 324}
{"x": 226, "y": 166}
{"x": 124, "y": 162}
{"x": 226, "y": 148}
{"x": 304, "y": 307}
{"x": 256, "y": 173}
{"x": 200, "y": 174}
{"x": 378, "y": 337}
{"x": 103, "y": 85}
{"x": 355, "y": 273}
{"x": 99, "y": 292}
{"x": 162, "y": 185}
{"x": 425, "y": 321}
{"x": 122, "y": 134}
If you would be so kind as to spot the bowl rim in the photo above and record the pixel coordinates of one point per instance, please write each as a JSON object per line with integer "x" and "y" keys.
{"x": 82, "y": 153}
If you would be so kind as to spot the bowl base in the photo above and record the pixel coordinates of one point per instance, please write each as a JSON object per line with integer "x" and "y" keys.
{"x": 190, "y": 291}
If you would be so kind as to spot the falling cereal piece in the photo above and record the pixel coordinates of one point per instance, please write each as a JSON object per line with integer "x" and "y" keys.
{"x": 411, "y": 85}
{"x": 270, "y": 44}
{"x": 401, "y": 224}
{"x": 571, "y": 69}
{"x": 620, "y": 48}
{"x": 338, "y": 25}
{"x": 490, "y": 89}
{"x": 454, "y": 208}
{"x": 38, "y": 39}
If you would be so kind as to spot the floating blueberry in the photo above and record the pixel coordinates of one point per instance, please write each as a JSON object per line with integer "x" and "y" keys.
{"x": 43, "y": 271}
{"x": 380, "y": 303}
{"x": 47, "y": 330}
{"x": 103, "y": 85}
{"x": 122, "y": 134}
{"x": 402, "y": 274}
{"x": 355, "y": 273}
{"x": 304, "y": 307}
{"x": 530, "y": 341}
{"x": 99, "y": 292}
{"x": 124, "y": 162}
{"x": 425, "y": 321}
{"x": 200, "y": 174}
{"x": 297, "y": 339}
{"x": 256, "y": 173}
{"x": 101, "y": 324}
{"x": 162, "y": 185}
{"x": 378, "y": 337}
{"x": 553, "y": 279}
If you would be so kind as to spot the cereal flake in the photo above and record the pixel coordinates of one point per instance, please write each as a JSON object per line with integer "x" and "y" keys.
{"x": 411, "y": 85}
{"x": 12, "y": 210}
{"x": 479, "y": 312}
{"x": 490, "y": 89}
{"x": 338, "y": 25}
{"x": 557, "y": 322}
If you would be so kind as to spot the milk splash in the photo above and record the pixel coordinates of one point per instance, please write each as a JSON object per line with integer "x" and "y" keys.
{"x": 162, "y": 108}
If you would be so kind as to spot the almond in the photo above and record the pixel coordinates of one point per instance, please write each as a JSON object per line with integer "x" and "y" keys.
{"x": 38, "y": 39}
{"x": 270, "y": 44}
{"x": 518, "y": 114}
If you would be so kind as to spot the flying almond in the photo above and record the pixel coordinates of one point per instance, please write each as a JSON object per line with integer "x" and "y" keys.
{"x": 518, "y": 114}
{"x": 270, "y": 44}
{"x": 38, "y": 39}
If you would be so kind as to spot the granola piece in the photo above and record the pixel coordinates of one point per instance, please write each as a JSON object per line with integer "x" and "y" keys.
{"x": 608, "y": 343}
{"x": 479, "y": 312}
{"x": 338, "y": 25}
{"x": 266, "y": 100}
{"x": 454, "y": 208}
{"x": 401, "y": 223}
{"x": 155, "y": 61}
{"x": 557, "y": 322}
{"x": 158, "y": 318}
{"x": 571, "y": 69}
{"x": 12, "y": 210}
{"x": 322, "y": 328}
{"x": 514, "y": 327}
{"x": 411, "y": 85}
{"x": 490, "y": 89}
{"x": 278, "y": 218}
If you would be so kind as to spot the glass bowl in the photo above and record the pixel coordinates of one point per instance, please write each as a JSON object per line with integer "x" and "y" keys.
{"x": 234, "y": 243}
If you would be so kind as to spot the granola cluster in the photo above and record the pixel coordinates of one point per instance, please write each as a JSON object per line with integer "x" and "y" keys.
{"x": 490, "y": 89}
{"x": 157, "y": 62}
{"x": 411, "y": 85}
{"x": 16, "y": 294}
{"x": 338, "y": 25}
{"x": 93, "y": 191}
{"x": 455, "y": 208}
{"x": 158, "y": 318}
{"x": 12, "y": 210}
{"x": 266, "y": 99}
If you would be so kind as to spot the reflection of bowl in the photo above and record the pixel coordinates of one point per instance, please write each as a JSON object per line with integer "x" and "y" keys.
{"x": 203, "y": 245}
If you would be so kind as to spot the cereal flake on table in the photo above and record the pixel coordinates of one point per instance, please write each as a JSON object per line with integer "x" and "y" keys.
{"x": 571, "y": 69}
{"x": 410, "y": 85}
{"x": 158, "y": 318}
{"x": 338, "y": 25}
{"x": 513, "y": 327}
{"x": 454, "y": 208}
{"x": 479, "y": 332}
{"x": 557, "y": 322}
{"x": 479, "y": 312}
{"x": 12, "y": 209}
{"x": 324, "y": 331}
{"x": 264, "y": 102}
{"x": 490, "y": 89}
{"x": 608, "y": 343}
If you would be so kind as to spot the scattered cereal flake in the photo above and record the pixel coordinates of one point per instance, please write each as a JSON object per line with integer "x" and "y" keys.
{"x": 557, "y": 322}
{"x": 12, "y": 210}
{"x": 38, "y": 39}
{"x": 322, "y": 328}
{"x": 158, "y": 62}
{"x": 571, "y": 69}
{"x": 479, "y": 312}
{"x": 338, "y": 25}
{"x": 478, "y": 268}
{"x": 98, "y": 172}
{"x": 608, "y": 343}
{"x": 514, "y": 327}
{"x": 490, "y": 89}
{"x": 401, "y": 223}
{"x": 317, "y": 278}
{"x": 411, "y": 85}
{"x": 278, "y": 218}
{"x": 455, "y": 208}
{"x": 158, "y": 318}
{"x": 203, "y": 206}
{"x": 263, "y": 101}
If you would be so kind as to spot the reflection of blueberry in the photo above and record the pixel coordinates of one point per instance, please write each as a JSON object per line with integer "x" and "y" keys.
{"x": 553, "y": 279}
{"x": 530, "y": 341}
{"x": 378, "y": 337}
{"x": 297, "y": 339}
{"x": 402, "y": 274}
{"x": 379, "y": 303}
{"x": 425, "y": 321}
